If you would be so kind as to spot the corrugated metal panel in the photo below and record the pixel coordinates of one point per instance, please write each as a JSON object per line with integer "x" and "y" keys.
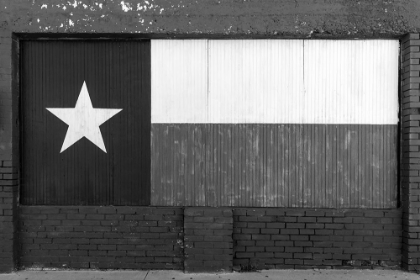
{"x": 274, "y": 165}
{"x": 117, "y": 75}
{"x": 275, "y": 81}
{"x": 255, "y": 81}
{"x": 179, "y": 81}
{"x": 351, "y": 81}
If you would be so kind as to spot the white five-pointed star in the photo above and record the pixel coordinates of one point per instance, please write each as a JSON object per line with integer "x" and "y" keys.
{"x": 83, "y": 120}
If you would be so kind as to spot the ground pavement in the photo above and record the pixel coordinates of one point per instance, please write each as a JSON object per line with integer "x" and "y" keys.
{"x": 178, "y": 275}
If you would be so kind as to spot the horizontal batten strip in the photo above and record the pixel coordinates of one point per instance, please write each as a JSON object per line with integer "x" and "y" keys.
{"x": 275, "y": 81}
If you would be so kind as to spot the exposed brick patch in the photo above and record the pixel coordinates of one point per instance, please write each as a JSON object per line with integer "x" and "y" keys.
{"x": 208, "y": 239}
{"x": 215, "y": 238}
{"x": 302, "y": 238}
{"x": 410, "y": 150}
{"x": 101, "y": 237}
{"x": 8, "y": 189}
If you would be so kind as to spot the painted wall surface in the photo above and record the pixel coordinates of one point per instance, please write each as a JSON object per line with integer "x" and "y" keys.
{"x": 267, "y": 165}
{"x": 112, "y": 75}
{"x": 275, "y": 81}
{"x": 275, "y": 123}
{"x": 301, "y": 18}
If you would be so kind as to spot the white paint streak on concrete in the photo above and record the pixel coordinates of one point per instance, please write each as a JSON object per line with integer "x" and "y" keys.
{"x": 275, "y": 81}
{"x": 125, "y": 6}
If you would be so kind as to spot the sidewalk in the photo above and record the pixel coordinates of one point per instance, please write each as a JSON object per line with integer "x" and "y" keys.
{"x": 178, "y": 275}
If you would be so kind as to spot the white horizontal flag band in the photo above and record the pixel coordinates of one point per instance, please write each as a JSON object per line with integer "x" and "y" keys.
{"x": 275, "y": 81}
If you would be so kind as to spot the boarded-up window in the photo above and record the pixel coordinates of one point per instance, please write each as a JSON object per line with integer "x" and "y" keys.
{"x": 85, "y": 115}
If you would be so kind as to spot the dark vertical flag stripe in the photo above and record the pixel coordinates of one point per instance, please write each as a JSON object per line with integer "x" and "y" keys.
{"x": 117, "y": 75}
{"x": 275, "y": 165}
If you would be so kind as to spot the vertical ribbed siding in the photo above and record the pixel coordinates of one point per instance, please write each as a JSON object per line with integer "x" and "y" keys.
{"x": 117, "y": 74}
{"x": 179, "y": 81}
{"x": 291, "y": 123}
{"x": 274, "y": 165}
{"x": 353, "y": 82}
{"x": 275, "y": 81}
{"x": 255, "y": 81}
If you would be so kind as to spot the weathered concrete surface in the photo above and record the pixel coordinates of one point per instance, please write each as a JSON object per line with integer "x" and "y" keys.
{"x": 178, "y": 275}
{"x": 285, "y": 18}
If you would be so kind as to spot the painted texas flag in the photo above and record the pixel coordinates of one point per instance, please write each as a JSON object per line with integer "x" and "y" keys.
{"x": 260, "y": 123}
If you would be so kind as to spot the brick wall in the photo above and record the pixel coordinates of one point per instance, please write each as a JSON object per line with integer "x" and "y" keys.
{"x": 101, "y": 237}
{"x": 260, "y": 239}
{"x": 8, "y": 189}
{"x": 8, "y": 170}
{"x": 299, "y": 238}
{"x": 208, "y": 239}
{"x": 215, "y": 239}
{"x": 410, "y": 161}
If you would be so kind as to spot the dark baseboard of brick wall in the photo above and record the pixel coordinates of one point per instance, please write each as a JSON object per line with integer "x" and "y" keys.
{"x": 215, "y": 239}
{"x": 305, "y": 238}
{"x": 101, "y": 237}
